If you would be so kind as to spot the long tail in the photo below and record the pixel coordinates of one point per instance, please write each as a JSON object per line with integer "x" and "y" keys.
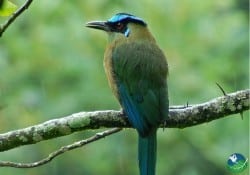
{"x": 147, "y": 154}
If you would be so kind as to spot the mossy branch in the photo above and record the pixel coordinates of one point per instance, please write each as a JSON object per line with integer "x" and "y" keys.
{"x": 179, "y": 117}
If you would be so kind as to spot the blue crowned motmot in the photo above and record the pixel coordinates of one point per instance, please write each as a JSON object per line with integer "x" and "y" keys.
{"x": 137, "y": 70}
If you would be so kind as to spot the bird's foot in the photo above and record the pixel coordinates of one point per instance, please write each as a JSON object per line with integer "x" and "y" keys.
{"x": 123, "y": 113}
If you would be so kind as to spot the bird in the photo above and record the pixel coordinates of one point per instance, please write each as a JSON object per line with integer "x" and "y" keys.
{"x": 137, "y": 72}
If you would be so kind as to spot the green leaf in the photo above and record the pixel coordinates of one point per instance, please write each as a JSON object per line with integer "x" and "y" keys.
{"x": 7, "y": 8}
{"x": 1, "y": 3}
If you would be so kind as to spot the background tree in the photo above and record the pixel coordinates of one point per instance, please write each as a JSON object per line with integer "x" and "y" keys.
{"x": 51, "y": 66}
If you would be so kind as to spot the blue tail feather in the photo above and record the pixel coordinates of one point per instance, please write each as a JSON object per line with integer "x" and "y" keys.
{"x": 147, "y": 136}
{"x": 147, "y": 154}
{"x": 130, "y": 108}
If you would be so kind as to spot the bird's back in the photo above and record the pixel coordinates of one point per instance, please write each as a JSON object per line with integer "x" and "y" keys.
{"x": 137, "y": 75}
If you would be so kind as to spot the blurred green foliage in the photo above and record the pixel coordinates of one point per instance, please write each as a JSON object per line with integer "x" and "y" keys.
{"x": 7, "y": 8}
{"x": 51, "y": 66}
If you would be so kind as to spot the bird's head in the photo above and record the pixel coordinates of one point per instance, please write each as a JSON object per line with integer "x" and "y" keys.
{"x": 121, "y": 23}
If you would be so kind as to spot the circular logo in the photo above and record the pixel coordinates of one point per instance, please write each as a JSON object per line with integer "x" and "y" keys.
{"x": 237, "y": 163}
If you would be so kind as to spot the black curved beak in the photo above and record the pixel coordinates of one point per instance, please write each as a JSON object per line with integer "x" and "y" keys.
{"x": 100, "y": 25}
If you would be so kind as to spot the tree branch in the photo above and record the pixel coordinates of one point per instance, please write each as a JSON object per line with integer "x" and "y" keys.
{"x": 14, "y": 16}
{"x": 179, "y": 117}
{"x": 60, "y": 151}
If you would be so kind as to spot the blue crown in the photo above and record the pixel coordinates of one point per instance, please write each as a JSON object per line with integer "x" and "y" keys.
{"x": 125, "y": 17}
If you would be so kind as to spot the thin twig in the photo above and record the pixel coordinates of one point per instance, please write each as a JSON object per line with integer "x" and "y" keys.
{"x": 14, "y": 16}
{"x": 222, "y": 90}
{"x": 60, "y": 151}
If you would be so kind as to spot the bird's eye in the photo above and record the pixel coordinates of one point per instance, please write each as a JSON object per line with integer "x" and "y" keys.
{"x": 119, "y": 26}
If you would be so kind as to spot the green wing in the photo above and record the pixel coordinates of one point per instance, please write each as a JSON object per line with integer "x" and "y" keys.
{"x": 140, "y": 71}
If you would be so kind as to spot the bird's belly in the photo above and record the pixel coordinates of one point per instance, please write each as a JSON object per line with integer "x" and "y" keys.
{"x": 110, "y": 74}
